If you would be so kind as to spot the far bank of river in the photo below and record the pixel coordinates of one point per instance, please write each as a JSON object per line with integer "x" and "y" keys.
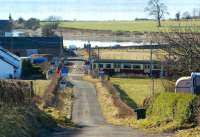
{"x": 102, "y": 35}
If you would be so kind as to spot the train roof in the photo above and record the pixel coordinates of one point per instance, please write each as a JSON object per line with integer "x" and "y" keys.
{"x": 127, "y": 61}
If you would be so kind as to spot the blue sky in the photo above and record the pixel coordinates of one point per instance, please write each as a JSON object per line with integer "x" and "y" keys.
{"x": 88, "y": 9}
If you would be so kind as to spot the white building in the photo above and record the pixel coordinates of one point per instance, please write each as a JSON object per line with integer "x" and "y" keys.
{"x": 10, "y": 65}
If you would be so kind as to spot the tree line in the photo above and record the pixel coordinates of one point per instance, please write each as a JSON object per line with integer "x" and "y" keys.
{"x": 48, "y": 27}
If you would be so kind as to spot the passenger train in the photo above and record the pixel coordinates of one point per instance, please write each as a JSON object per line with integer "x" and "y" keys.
{"x": 113, "y": 67}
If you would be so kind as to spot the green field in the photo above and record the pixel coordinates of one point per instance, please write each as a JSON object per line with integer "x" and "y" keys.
{"x": 135, "y": 90}
{"x": 132, "y": 26}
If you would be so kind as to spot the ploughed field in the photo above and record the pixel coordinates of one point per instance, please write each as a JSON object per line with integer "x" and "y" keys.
{"x": 132, "y": 26}
{"x": 131, "y": 54}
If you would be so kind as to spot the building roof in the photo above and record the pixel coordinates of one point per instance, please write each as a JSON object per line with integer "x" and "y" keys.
{"x": 8, "y": 62}
{"x": 31, "y": 42}
{"x": 126, "y": 61}
{"x": 5, "y": 25}
{"x": 8, "y": 57}
{"x": 9, "y": 54}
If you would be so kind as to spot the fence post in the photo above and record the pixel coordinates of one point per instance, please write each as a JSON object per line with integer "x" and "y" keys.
{"x": 31, "y": 90}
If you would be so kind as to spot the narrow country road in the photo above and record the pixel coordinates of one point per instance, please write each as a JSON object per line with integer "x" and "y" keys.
{"x": 87, "y": 114}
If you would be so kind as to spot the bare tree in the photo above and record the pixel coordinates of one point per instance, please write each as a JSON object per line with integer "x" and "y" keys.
{"x": 157, "y": 9}
{"x": 183, "y": 48}
{"x": 54, "y": 21}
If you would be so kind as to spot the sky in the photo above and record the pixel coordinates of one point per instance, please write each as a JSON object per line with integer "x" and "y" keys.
{"x": 89, "y": 9}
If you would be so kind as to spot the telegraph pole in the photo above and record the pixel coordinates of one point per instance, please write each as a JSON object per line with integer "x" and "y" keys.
{"x": 98, "y": 53}
{"x": 61, "y": 43}
{"x": 151, "y": 70}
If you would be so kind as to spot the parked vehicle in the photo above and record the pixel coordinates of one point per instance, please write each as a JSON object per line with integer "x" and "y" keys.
{"x": 189, "y": 84}
{"x": 72, "y": 47}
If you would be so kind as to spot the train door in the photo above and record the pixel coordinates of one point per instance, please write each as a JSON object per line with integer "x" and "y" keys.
{"x": 147, "y": 68}
{"x": 117, "y": 67}
{"x": 196, "y": 83}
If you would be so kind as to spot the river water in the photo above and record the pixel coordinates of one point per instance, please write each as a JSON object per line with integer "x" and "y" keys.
{"x": 80, "y": 43}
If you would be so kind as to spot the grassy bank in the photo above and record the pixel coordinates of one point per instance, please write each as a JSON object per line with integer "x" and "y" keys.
{"x": 170, "y": 111}
{"x": 132, "y": 26}
{"x": 24, "y": 121}
{"x": 23, "y": 114}
{"x": 19, "y": 116}
{"x": 167, "y": 111}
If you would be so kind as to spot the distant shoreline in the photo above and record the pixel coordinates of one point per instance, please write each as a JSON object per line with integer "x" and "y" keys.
{"x": 101, "y": 35}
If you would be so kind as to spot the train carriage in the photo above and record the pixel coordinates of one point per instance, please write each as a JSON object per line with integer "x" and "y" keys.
{"x": 143, "y": 67}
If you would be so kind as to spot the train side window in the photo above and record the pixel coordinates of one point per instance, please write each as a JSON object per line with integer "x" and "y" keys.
{"x": 108, "y": 66}
{"x": 100, "y": 65}
{"x": 136, "y": 67}
{"x": 156, "y": 67}
{"x": 127, "y": 66}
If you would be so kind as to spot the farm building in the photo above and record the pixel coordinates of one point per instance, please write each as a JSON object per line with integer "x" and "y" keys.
{"x": 26, "y": 46}
{"x": 10, "y": 65}
{"x": 5, "y": 28}
{"x": 129, "y": 67}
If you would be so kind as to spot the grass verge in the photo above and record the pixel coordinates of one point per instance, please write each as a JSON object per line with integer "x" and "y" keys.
{"x": 24, "y": 121}
{"x": 22, "y": 115}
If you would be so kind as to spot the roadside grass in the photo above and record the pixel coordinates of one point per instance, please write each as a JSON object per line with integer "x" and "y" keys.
{"x": 60, "y": 106}
{"x": 136, "y": 89}
{"x": 40, "y": 86}
{"x": 194, "y": 132}
{"x": 132, "y": 26}
{"x": 131, "y": 54}
{"x": 61, "y": 111}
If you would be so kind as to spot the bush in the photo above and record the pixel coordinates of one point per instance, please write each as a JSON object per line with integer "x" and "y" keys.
{"x": 171, "y": 109}
{"x": 26, "y": 69}
{"x": 32, "y": 23}
{"x": 30, "y": 71}
{"x": 47, "y": 30}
